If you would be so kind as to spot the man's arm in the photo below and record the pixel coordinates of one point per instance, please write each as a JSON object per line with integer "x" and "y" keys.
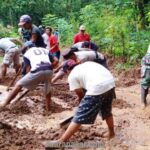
{"x": 75, "y": 39}
{"x": 58, "y": 75}
{"x": 88, "y": 37}
{"x": 16, "y": 41}
{"x": 80, "y": 93}
{"x": 55, "y": 42}
{"x": 27, "y": 64}
{"x": 34, "y": 37}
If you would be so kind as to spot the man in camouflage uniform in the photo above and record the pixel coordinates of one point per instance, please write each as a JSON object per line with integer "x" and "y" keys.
{"x": 145, "y": 74}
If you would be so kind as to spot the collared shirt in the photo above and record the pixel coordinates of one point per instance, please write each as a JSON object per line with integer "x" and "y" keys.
{"x": 79, "y": 37}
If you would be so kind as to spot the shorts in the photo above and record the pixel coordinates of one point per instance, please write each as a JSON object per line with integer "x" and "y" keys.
{"x": 91, "y": 105}
{"x": 56, "y": 54}
{"x": 31, "y": 80}
{"x": 11, "y": 56}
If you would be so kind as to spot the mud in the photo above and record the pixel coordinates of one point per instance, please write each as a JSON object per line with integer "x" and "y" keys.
{"x": 18, "y": 139}
{"x": 27, "y": 124}
{"x": 124, "y": 77}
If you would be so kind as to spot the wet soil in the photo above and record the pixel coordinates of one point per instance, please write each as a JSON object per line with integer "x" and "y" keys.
{"x": 27, "y": 124}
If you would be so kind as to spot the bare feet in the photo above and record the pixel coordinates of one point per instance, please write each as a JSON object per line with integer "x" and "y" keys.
{"x": 143, "y": 105}
{"x": 108, "y": 135}
{"x": 111, "y": 135}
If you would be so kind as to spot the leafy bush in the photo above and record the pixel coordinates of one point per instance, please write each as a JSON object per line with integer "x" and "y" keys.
{"x": 7, "y": 31}
{"x": 63, "y": 26}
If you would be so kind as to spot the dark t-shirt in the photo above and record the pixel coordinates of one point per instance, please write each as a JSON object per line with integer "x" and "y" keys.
{"x": 40, "y": 41}
{"x": 93, "y": 46}
{"x": 27, "y": 34}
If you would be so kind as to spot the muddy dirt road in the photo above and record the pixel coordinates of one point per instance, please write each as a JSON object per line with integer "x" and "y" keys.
{"x": 27, "y": 123}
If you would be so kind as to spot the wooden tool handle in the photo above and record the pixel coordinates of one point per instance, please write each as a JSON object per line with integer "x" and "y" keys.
{"x": 12, "y": 82}
{"x": 65, "y": 121}
{"x": 22, "y": 95}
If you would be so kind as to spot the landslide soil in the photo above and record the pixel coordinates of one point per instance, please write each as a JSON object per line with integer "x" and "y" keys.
{"x": 26, "y": 124}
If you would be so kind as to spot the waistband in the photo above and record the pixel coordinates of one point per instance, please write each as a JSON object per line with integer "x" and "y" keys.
{"x": 42, "y": 68}
{"x": 11, "y": 48}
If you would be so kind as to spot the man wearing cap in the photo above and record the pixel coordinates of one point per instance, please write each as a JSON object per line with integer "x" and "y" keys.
{"x": 81, "y": 36}
{"x": 90, "y": 45}
{"x": 33, "y": 31}
{"x": 99, "y": 85}
{"x": 85, "y": 46}
{"x": 11, "y": 55}
{"x": 39, "y": 64}
{"x": 79, "y": 57}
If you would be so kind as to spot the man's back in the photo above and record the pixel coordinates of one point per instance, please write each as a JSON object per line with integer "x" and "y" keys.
{"x": 6, "y": 44}
{"x": 37, "y": 56}
{"x": 91, "y": 76}
{"x": 84, "y": 56}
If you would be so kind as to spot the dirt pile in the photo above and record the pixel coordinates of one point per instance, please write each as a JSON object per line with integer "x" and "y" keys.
{"x": 12, "y": 138}
{"x": 28, "y": 124}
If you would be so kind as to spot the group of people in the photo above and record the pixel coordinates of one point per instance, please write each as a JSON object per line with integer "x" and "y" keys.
{"x": 87, "y": 70}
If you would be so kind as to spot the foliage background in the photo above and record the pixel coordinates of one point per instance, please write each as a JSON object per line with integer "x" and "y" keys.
{"x": 120, "y": 27}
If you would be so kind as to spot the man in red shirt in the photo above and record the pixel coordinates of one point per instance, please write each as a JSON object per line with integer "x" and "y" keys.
{"x": 54, "y": 45}
{"x": 81, "y": 36}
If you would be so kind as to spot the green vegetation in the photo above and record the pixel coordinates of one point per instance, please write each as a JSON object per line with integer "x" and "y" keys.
{"x": 1, "y": 58}
{"x": 119, "y": 27}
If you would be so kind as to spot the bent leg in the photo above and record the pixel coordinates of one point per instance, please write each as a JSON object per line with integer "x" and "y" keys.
{"x": 110, "y": 124}
{"x": 12, "y": 95}
{"x": 48, "y": 101}
{"x": 73, "y": 127}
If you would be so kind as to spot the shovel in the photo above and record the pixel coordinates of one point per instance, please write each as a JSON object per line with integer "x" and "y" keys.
{"x": 64, "y": 123}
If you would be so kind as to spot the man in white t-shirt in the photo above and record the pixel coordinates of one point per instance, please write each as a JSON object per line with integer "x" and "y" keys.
{"x": 11, "y": 55}
{"x": 79, "y": 57}
{"x": 99, "y": 85}
{"x": 39, "y": 64}
{"x": 46, "y": 37}
{"x": 86, "y": 45}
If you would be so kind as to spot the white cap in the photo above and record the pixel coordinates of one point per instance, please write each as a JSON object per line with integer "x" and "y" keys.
{"x": 148, "y": 51}
{"x": 82, "y": 27}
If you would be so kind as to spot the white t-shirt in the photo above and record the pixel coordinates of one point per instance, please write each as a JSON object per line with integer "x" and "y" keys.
{"x": 46, "y": 41}
{"x": 78, "y": 45}
{"x": 84, "y": 56}
{"x": 6, "y": 44}
{"x": 91, "y": 76}
{"x": 37, "y": 56}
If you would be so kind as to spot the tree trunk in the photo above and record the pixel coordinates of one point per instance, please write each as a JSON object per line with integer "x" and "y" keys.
{"x": 140, "y": 7}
